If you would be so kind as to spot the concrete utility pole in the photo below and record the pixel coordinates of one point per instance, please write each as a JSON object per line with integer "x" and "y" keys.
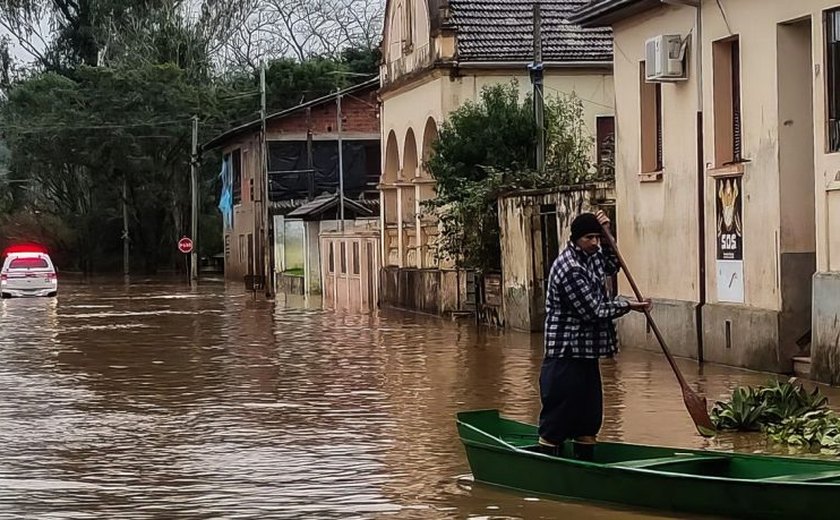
{"x": 194, "y": 194}
{"x": 536, "y": 70}
{"x": 339, "y": 118}
{"x": 267, "y": 235}
{"x": 125, "y": 238}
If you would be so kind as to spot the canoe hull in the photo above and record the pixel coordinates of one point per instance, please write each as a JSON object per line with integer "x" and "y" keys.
{"x": 665, "y": 486}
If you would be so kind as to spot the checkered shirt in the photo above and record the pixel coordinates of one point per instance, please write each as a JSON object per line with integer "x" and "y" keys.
{"x": 578, "y": 313}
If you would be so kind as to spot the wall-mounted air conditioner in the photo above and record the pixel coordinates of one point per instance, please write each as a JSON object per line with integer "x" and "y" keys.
{"x": 665, "y": 58}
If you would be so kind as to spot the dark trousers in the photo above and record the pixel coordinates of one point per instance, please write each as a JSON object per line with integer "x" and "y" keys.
{"x": 572, "y": 400}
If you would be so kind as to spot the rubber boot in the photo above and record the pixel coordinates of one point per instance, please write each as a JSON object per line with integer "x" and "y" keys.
{"x": 584, "y": 451}
{"x": 546, "y": 448}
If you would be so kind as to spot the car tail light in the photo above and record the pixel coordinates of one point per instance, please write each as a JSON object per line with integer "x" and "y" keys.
{"x": 4, "y": 277}
{"x": 52, "y": 276}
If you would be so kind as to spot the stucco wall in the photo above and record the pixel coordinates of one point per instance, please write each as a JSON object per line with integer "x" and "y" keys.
{"x": 790, "y": 200}
{"x": 657, "y": 221}
{"x": 595, "y": 89}
{"x": 410, "y": 117}
{"x": 236, "y": 265}
{"x": 523, "y": 295}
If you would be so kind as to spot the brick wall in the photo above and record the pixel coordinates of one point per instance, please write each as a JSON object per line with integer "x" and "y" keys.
{"x": 360, "y": 113}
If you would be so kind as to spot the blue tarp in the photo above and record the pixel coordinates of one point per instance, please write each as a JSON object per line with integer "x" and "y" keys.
{"x": 226, "y": 198}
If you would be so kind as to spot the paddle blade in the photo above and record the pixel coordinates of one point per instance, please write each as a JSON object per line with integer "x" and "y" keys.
{"x": 696, "y": 406}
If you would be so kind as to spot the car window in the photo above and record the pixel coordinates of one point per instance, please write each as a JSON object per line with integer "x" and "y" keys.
{"x": 28, "y": 263}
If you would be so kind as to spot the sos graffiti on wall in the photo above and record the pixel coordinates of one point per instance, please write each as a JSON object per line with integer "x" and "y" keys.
{"x": 730, "y": 236}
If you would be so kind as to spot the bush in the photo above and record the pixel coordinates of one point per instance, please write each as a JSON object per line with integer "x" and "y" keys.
{"x": 786, "y": 412}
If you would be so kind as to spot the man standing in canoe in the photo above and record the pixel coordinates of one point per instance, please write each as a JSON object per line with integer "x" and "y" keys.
{"x": 579, "y": 330}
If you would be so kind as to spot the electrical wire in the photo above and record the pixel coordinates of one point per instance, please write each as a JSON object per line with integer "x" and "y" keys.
{"x": 579, "y": 97}
{"x": 725, "y": 18}
{"x": 92, "y": 127}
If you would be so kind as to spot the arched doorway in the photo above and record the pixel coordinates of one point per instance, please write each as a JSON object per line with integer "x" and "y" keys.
{"x": 430, "y": 134}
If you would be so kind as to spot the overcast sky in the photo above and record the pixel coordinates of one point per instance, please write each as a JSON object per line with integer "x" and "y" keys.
{"x": 17, "y": 52}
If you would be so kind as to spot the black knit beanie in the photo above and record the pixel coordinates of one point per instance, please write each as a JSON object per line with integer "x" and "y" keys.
{"x": 585, "y": 224}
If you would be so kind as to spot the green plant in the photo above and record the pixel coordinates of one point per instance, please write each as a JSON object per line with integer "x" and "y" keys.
{"x": 784, "y": 400}
{"x": 816, "y": 429}
{"x": 487, "y": 148}
{"x": 743, "y": 412}
{"x": 785, "y": 411}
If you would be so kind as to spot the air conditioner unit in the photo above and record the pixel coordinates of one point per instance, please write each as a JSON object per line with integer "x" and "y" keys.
{"x": 665, "y": 58}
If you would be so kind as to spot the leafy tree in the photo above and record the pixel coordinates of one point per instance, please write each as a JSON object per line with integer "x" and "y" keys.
{"x": 78, "y": 140}
{"x": 87, "y": 32}
{"x": 108, "y": 103}
{"x": 487, "y": 148}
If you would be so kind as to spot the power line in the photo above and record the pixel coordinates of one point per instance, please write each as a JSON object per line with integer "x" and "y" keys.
{"x": 31, "y": 129}
{"x": 581, "y": 98}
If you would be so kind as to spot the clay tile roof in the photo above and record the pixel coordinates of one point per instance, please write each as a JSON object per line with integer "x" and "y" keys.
{"x": 502, "y": 30}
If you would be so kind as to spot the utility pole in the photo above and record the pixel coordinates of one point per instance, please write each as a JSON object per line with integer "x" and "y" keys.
{"x": 194, "y": 194}
{"x": 268, "y": 267}
{"x": 310, "y": 160}
{"x": 536, "y": 70}
{"x": 339, "y": 118}
{"x": 126, "y": 246}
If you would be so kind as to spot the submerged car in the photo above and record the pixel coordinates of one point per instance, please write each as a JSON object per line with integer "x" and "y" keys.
{"x": 28, "y": 274}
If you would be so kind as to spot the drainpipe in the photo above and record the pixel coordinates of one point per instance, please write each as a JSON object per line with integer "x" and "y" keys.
{"x": 701, "y": 185}
{"x": 701, "y": 188}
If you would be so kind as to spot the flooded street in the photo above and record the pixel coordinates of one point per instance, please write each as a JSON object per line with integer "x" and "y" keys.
{"x": 158, "y": 401}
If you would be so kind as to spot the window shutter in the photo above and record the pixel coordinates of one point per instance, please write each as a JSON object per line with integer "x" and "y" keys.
{"x": 737, "y": 154}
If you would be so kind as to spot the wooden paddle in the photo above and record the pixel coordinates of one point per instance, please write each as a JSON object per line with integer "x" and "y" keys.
{"x": 694, "y": 403}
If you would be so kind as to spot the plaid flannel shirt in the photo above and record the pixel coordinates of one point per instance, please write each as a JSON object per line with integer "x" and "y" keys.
{"x": 579, "y": 314}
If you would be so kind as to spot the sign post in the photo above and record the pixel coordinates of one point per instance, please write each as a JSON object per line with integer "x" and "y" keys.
{"x": 185, "y": 245}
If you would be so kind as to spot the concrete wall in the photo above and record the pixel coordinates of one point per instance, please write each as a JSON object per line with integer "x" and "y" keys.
{"x": 312, "y": 258}
{"x": 291, "y": 284}
{"x": 825, "y": 350}
{"x": 522, "y": 250}
{"x": 410, "y": 118}
{"x": 657, "y": 213}
{"x": 790, "y": 184}
{"x": 432, "y": 291}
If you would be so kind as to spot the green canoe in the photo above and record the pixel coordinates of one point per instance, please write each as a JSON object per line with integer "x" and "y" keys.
{"x": 500, "y": 453}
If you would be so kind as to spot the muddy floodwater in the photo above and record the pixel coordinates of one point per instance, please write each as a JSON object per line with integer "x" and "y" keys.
{"x": 156, "y": 401}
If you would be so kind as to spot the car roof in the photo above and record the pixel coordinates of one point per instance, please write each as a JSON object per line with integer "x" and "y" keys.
{"x": 14, "y": 256}
{"x": 27, "y": 254}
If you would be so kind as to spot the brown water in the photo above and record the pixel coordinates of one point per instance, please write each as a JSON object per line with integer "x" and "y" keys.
{"x": 159, "y": 401}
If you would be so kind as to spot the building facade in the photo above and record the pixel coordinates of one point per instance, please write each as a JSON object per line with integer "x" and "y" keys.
{"x": 438, "y": 55}
{"x": 728, "y": 195}
{"x": 303, "y": 180}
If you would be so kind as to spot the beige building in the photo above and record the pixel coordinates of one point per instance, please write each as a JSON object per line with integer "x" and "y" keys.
{"x": 728, "y": 192}
{"x": 436, "y": 56}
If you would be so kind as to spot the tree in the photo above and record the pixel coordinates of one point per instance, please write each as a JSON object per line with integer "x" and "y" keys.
{"x": 85, "y": 32}
{"x": 301, "y": 30}
{"x": 487, "y": 148}
{"x": 79, "y": 139}
{"x": 109, "y": 102}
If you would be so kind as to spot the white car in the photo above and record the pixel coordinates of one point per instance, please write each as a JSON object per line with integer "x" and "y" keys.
{"x": 28, "y": 274}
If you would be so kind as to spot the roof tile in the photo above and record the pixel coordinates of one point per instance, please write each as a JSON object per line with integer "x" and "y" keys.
{"x": 502, "y": 30}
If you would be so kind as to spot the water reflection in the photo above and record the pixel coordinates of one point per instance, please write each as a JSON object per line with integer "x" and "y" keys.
{"x": 161, "y": 401}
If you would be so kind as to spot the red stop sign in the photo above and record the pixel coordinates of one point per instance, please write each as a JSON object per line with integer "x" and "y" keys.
{"x": 185, "y": 245}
